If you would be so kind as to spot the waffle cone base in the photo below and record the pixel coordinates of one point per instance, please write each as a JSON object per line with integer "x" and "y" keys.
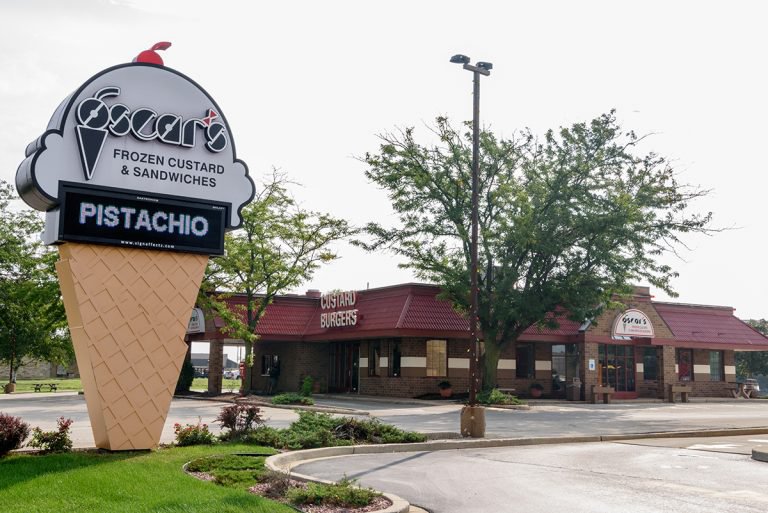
{"x": 128, "y": 311}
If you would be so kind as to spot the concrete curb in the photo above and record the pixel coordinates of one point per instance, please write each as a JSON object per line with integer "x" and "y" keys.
{"x": 760, "y": 453}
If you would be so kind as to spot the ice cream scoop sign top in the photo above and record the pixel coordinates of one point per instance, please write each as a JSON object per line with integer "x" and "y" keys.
{"x": 136, "y": 135}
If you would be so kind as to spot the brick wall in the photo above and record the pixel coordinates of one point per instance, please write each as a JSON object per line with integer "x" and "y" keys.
{"x": 297, "y": 360}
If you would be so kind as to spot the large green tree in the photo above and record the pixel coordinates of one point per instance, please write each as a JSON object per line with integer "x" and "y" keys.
{"x": 279, "y": 246}
{"x": 753, "y": 363}
{"x": 32, "y": 319}
{"x": 566, "y": 221}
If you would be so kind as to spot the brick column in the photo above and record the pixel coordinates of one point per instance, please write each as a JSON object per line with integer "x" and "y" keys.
{"x": 215, "y": 366}
{"x": 668, "y": 374}
{"x": 589, "y": 377}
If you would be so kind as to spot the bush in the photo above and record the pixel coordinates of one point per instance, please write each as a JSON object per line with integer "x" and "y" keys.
{"x": 13, "y": 432}
{"x": 193, "y": 434}
{"x": 495, "y": 396}
{"x": 235, "y": 471}
{"x": 186, "y": 377}
{"x": 266, "y": 436}
{"x": 343, "y": 494}
{"x": 313, "y": 430}
{"x": 53, "y": 441}
{"x": 307, "y": 385}
{"x": 239, "y": 419}
{"x": 292, "y": 398}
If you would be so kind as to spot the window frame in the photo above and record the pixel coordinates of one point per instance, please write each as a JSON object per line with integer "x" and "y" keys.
{"x": 530, "y": 361}
{"x": 720, "y": 376}
{"x": 273, "y": 359}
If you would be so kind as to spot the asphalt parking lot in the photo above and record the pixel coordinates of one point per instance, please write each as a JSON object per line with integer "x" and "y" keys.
{"x": 557, "y": 419}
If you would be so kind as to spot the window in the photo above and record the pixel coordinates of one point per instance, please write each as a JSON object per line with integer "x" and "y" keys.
{"x": 437, "y": 357}
{"x": 267, "y": 362}
{"x": 374, "y": 358}
{"x": 394, "y": 362}
{"x": 716, "y": 371}
{"x": 685, "y": 364}
{"x": 650, "y": 364}
{"x": 525, "y": 365}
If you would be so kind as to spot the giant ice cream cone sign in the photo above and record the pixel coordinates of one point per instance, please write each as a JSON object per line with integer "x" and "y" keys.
{"x": 139, "y": 179}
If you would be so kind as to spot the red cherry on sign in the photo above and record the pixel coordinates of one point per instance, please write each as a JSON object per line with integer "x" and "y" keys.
{"x": 151, "y": 56}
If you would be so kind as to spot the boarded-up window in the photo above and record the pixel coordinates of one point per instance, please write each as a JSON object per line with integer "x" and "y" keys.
{"x": 437, "y": 357}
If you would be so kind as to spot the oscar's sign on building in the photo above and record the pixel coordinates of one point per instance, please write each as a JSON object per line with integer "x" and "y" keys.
{"x": 139, "y": 179}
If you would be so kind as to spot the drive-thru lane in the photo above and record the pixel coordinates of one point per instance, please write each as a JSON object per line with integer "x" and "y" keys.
{"x": 578, "y": 478}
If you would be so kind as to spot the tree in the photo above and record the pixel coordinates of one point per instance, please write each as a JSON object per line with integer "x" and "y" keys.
{"x": 278, "y": 247}
{"x": 32, "y": 318}
{"x": 752, "y": 363}
{"x": 565, "y": 223}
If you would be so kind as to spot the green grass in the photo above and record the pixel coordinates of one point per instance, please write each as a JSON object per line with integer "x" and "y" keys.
{"x": 123, "y": 482}
{"x": 201, "y": 384}
{"x": 69, "y": 384}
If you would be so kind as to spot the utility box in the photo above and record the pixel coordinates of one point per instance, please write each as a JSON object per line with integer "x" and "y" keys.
{"x": 573, "y": 390}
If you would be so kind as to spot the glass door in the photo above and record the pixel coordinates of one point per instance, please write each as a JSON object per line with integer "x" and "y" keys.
{"x": 617, "y": 366}
{"x": 344, "y": 367}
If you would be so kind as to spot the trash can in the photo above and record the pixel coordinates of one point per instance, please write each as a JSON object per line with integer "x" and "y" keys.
{"x": 573, "y": 390}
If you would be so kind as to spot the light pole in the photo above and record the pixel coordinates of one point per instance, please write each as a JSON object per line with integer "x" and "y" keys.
{"x": 481, "y": 68}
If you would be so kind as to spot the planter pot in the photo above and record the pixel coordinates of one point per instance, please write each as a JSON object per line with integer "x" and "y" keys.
{"x": 446, "y": 392}
{"x": 535, "y": 393}
{"x": 9, "y": 388}
{"x": 473, "y": 421}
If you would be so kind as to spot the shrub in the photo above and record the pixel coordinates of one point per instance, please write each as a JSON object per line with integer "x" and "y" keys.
{"x": 322, "y": 430}
{"x": 13, "y": 432}
{"x": 292, "y": 398}
{"x": 343, "y": 494}
{"x": 53, "y": 441}
{"x": 186, "y": 377}
{"x": 193, "y": 434}
{"x": 307, "y": 385}
{"x": 496, "y": 396}
{"x": 444, "y": 385}
{"x": 266, "y": 436}
{"x": 239, "y": 419}
{"x": 235, "y": 471}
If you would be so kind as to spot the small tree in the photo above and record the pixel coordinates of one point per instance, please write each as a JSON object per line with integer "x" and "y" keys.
{"x": 278, "y": 247}
{"x": 752, "y": 363}
{"x": 32, "y": 319}
{"x": 565, "y": 222}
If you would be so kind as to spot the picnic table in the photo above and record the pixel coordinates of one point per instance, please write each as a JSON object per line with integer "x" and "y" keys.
{"x": 52, "y": 387}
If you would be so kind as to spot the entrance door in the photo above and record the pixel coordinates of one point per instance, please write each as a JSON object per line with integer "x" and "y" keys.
{"x": 618, "y": 369}
{"x": 565, "y": 367}
{"x": 344, "y": 365}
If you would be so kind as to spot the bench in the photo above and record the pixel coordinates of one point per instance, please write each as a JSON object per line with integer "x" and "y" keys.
{"x": 738, "y": 390}
{"x": 598, "y": 390}
{"x": 510, "y": 391}
{"x": 52, "y": 387}
{"x": 683, "y": 390}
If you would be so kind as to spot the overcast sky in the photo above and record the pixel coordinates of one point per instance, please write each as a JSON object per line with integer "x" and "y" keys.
{"x": 306, "y": 86}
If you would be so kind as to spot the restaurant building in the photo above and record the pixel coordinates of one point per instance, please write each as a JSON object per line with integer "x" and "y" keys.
{"x": 402, "y": 341}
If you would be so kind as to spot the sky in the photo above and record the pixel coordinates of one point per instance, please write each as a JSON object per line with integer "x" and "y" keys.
{"x": 306, "y": 86}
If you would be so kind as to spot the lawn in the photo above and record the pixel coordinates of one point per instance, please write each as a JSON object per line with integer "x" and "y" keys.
{"x": 69, "y": 384}
{"x": 123, "y": 482}
{"x": 227, "y": 385}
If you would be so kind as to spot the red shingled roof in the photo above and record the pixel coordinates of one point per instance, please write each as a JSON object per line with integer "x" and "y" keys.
{"x": 413, "y": 309}
{"x": 709, "y": 325}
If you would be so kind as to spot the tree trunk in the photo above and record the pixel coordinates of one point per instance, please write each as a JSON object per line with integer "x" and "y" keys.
{"x": 247, "y": 368}
{"x": 491, "y": 363}
{"x": 13, "y": 357}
